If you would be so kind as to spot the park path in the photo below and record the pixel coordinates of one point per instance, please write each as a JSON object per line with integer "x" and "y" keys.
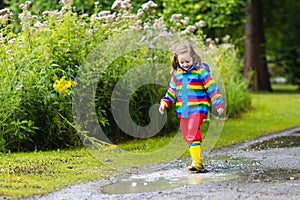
{"x": 264, "y": 168}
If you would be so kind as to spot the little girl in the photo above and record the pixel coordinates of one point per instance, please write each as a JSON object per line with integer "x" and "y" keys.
{"x": 192, "y": 89}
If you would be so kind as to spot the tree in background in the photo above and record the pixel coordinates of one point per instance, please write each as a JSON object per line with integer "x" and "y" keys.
{"x": 255, "y": 65}
{"x": 231, "y": 17}
{"x": 271, "y": 37}
{"x": 282, "y": 30}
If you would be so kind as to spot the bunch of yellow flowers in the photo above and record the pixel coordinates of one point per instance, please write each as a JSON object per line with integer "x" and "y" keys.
{"x": 62, "y": 85}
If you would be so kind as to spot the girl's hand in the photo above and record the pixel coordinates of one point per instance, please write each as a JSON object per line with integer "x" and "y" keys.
{"x": 220, "y": 111}
{"x": 162, "y": 109}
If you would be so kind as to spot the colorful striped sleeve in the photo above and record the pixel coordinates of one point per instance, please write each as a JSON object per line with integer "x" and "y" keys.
{"x": 212, "y": 89}
{"x": 170, "y": 96}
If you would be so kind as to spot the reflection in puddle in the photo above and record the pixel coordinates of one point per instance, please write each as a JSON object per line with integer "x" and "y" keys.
{"x": 163, "y": 180}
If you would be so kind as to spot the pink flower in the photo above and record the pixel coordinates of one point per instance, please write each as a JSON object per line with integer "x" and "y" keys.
{"x": 175, "y": 17}
{"x": 209, "y": 40}
{"x": 147, "y": 25}
{"x": 103, "y": 13}
{"x": 25, "y": 6}
{"x": 191, "y": 29}
{"x": 39, "y": 25}
{"x": 149, "y": 5}
{"x": 116, "y": 5}
{"x": 228, "y": 46}
{"x": 66, "y": 2}
{"x": 185, "y": 21}
{"x": 4, "y": 15}
{"x": 159, "y": 24}
{"x": 126, "y": 5}
{"x": 226, "y": 38}
{"x": 200, "y": 24}
{"x": 140, "y": 13}
{"x": 5, "y": 11}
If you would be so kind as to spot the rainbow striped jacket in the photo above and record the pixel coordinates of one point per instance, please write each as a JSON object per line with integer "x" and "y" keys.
{"x": 193, "y": 90}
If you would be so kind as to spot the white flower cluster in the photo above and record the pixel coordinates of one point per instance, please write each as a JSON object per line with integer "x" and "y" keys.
{"x": 159, "y": 24}
{"x": 226, "y": 38}
{"x": 106, "y": 16}
{"x": 4, "y": 15}
{"x": 185, "y": 21}
{"x": 66, "y": 2}
{"x": 118, "y": 18}
{"x": 175, "y": 18}
{"x": 200, "y": 24}
{"x": 119, "y": 4}
{"x": 190, "y": 29}
{"x": 25, "y": 6}
{"x": 149, "y": 5}
{"x": 52, "y": 14}
{"x": 39, "y": 25}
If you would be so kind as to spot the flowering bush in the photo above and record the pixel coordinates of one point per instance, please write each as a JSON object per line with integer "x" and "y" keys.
{"x": 38, "y": 67}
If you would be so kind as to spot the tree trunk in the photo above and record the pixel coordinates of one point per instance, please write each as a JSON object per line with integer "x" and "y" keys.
{"x": 1, "y": 4}
{"x": 255, "y": 66}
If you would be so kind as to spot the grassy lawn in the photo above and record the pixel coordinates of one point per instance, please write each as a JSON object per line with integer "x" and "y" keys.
{"x": 26, "y": 174}
{"x": 271, "y": 113}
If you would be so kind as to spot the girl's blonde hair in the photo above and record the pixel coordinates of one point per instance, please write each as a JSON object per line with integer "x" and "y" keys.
{"x": 183, "y": 49}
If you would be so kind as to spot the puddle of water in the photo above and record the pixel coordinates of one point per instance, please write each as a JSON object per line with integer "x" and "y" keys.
{"x": 163, "y": 180}
{"x": 278, "y": 142}
{"x": 221, "y": 168}
{"x": 226, "y": 164}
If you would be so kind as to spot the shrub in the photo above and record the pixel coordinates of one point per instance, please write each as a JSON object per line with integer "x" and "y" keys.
{"x": 39, "y": 64}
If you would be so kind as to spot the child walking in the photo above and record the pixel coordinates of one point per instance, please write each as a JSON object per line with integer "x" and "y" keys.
{"x": 192, "y": 89}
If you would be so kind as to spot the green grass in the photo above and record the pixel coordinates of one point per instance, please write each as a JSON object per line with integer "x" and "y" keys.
{"x": 27, "y": 174}
{"x": 271, "y": 113}
{"x": 285, "y": 89}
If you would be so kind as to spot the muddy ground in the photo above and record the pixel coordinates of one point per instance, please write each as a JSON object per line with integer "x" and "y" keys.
{"x": 265, "y": 168}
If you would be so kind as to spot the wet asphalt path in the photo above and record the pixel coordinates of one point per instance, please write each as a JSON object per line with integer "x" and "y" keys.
{"x": 265, "y": 168}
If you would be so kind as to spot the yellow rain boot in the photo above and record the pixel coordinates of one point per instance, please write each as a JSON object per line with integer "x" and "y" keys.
{"x": 195, "y": 151}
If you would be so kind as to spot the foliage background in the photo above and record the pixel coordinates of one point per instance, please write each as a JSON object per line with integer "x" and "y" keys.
{"x": 40, "y": 60}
